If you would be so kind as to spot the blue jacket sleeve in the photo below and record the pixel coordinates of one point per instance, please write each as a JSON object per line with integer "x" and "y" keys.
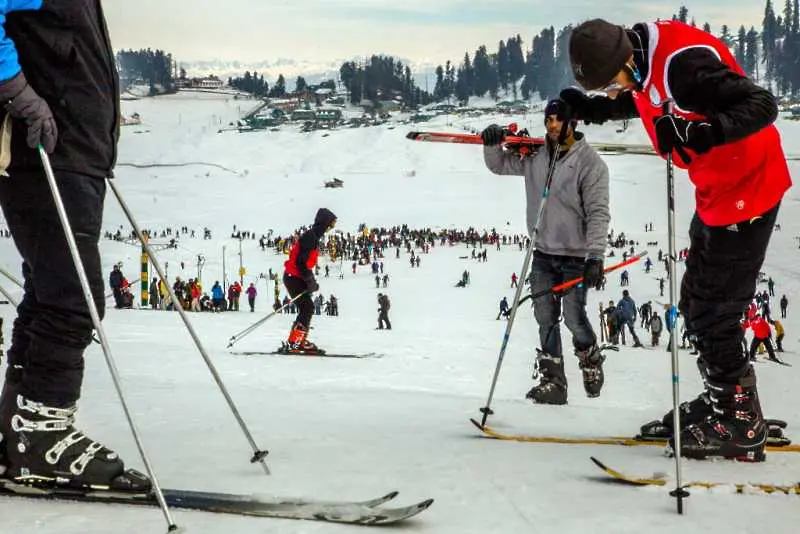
{"x": 9, "y": 60}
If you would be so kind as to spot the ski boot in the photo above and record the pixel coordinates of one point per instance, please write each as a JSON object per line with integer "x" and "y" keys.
{"x": 736, "y": 430}
{"x": 43, "y": 448}
{"x": 691, "y": 412}
{"x": 552, "y": 387}
{"x": 298, "y": 342}
{"x": 590, "y": 361}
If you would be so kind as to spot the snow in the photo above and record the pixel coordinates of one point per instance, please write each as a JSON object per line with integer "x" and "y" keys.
{"x": 355, "y": 429}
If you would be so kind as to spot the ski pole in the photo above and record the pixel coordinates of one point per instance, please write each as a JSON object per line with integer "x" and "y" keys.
{"x": 11, "y": 277}
{"x": 679, "y": 492}
{"x": 569, "y": 284}
{"x": 8, "y": 297}
{"x": 93, "y": 312}
{"x": 487, "y": 410}
{"x": 237, "y": 337}
{"x": 259, "y": 455}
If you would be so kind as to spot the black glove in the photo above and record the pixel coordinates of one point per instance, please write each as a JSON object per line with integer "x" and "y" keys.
{"x": 22, "y": 102}
{"x": 493, "y": 135}
{"x": 583, "y": 106}
{"x": 311, "y": 284}
{"x": 593, "y": 273}
{"x": 676, "y": 133}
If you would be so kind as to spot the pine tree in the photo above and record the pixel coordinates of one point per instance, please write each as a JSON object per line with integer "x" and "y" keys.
{"x": 300, "y": 85}
{"x": 707, "y": 27}
{"x": 751, "y": 53}
{"x": 740, "y": 46}
{"x": 683, "y": 14}
{"x": 464, "y": 81}
{"x": 768, "y": 41}
{"x": 516, "y": 59}
{"x": 449, "y": 80}
{"x": 438, "y": 88}
{"x": 725, "y": 36}
{"x": 503, "y": 65}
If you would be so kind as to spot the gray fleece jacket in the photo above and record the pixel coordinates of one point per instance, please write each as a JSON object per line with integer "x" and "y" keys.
{"x": 576, "y": 216}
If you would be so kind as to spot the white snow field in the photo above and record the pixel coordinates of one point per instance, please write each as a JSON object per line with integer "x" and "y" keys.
{"x": 355, "y": 429}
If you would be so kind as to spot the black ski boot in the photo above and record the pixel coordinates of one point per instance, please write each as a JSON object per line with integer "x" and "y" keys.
{"x": 692, "y": 412}
{"x": 590, "y": 362}
{"x": 736, "y": 430}
{"x": 552, "y": 387}
{"x": 42, "y": 447}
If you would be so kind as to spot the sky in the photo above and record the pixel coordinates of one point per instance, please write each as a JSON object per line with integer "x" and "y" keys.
{"x": 422, "y": 31}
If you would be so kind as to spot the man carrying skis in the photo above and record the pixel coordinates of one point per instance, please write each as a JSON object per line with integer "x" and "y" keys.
{"x": 570, "y": 241}
{"x": 722, "y": 132}
{"x": 298, "y": 277}
{"x": 59, "y": 88}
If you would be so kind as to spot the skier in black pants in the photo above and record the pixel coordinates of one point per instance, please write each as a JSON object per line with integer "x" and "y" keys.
{"x": 299, "y": 278}
{"x": 721, "y": 131}
{"x": 59, "y": 85}
{"x": 115, "y": 280}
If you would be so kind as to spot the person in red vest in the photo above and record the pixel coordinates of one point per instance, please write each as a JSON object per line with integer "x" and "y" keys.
{"x": 762, "y": 333}
{"x": 721, "y": 131}
{"x": 298, "y": 277}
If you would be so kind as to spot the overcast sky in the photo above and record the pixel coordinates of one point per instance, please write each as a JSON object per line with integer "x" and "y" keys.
{"x": 418, "y": 30}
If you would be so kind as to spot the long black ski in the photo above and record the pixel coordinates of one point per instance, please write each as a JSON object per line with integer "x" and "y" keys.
{"x": 357, "y": 512}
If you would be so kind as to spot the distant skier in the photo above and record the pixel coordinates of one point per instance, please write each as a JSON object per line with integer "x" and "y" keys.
{"x": 504, "y": 310}
{"x": 570, "y": 242}
{"x": 251, "y": 296}
{"x": 383, "y": 312}
{"x": 628, "y": 307}
{"x": 299, "y": 278}
{"x": 656, "y": 326}
{"x": 784, "y": 306}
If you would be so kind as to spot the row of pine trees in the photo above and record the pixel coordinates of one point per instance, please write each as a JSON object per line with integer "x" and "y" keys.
{"x": 771, "y": 56}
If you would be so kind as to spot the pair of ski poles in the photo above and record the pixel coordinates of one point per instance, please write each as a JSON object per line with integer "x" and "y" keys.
{"x": 259, "y": 455}
{"x": 679, "y": 492}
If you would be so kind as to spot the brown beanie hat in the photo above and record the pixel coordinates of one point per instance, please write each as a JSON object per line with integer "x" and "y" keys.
{"x": 598, "y": 50}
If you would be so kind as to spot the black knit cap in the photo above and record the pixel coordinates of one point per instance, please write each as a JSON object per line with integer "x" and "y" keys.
{"x": 598, "y": 50}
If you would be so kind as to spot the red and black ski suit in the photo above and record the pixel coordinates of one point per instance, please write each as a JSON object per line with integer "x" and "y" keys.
{"x": 739, "y": 182}
{"x": 298, "y": 273}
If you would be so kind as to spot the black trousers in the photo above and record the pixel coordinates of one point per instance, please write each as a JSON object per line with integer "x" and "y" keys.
{"x": 383, "y": 319}
{"x": 719, "y": 283}
{"x": 53, "y": 325}
{"x": 305, "y": 305}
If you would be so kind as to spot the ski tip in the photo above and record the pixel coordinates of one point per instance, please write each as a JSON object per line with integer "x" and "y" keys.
{"x": 423, "y": 505}
{"x": 391, "y": 495}
{"x": 477, "y": 424}
{"x": 597, "y": 462}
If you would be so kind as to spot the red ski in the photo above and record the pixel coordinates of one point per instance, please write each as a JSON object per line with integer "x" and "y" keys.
{"x": 470, "y": 139}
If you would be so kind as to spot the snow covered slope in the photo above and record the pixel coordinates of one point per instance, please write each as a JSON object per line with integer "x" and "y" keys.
{"x": 358, "y": 428}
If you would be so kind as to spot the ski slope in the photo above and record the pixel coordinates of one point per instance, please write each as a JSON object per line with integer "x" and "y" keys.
{"x": 355, "y": 429}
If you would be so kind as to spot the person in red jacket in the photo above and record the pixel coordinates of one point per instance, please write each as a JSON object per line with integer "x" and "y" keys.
{"x": 762, "y": 333}
{"x": 298, "y": 277}
{"x": 721, "y": 131}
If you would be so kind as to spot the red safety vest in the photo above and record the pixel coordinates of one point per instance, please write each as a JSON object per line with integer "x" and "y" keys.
{"x": 736, "y": 181}
{"x": 291, "y": 264}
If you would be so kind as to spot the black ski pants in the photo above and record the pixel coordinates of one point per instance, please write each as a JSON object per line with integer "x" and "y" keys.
{"x": 719, "y": 283}
{"x": 305, "y": 305}
{"x": 53, "y": 325}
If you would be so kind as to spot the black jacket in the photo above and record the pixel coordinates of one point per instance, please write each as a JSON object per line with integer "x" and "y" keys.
{"x": 701, "y": 83}
{"x": 66, "y": 55}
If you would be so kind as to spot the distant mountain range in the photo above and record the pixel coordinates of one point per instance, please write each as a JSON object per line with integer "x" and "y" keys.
{"x": 312, "y": 71}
